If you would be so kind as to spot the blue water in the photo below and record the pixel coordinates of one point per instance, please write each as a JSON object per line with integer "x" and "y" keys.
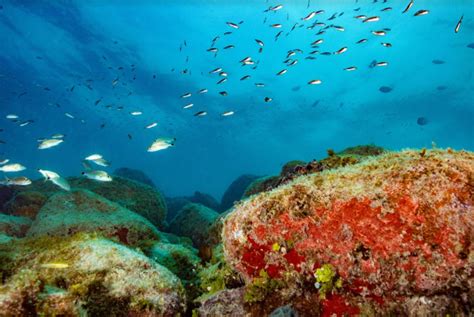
{"x": 61, "y": 44}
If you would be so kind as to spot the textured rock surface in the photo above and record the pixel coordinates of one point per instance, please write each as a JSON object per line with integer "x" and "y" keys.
{"x": 138, "y": 197}
{"x": 193, "y": 221}
{"x": 383, "y": 236}
{"x": 14, "y": 226}
{"x": 83, "y": 275}
{"x": 135, "y": 175}
{"x": 236, "y": 190}
{"x": 66, "y": 213}
{"x": 26, "y": 203}
{"x": 224, "y": 303}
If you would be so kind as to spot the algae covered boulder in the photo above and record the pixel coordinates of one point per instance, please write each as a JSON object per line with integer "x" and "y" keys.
{"x": 84, "y": 276}
{"x": 14, "y": 226}
{"x": 236, "y": 190}
{"x": 66, "y": 213}
{"x": 138, "y": 197}
{"x": 390, "y": 235}
{"x": 135, "y": 175}
{"x": 26, "y": 203}
{"x": 193, "y": 221}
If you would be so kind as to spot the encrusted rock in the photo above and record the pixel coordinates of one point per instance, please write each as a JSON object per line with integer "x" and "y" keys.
{"x": 66, "y": 213}
{"x": 368, "y": 238}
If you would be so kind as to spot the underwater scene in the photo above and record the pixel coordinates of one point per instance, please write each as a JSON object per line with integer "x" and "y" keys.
{"x": 275, "y": 158}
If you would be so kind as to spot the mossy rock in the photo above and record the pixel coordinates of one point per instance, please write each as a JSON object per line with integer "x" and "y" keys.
{"x": 84, "y": 274}
{"x": 14, "y": 226}
{"x": 236, "y": 190}
{"x": 140, "y": 198}
{"x": 261, "y": 185}
{"x": 193, "y": 221}
{"x": 66, "y": 213}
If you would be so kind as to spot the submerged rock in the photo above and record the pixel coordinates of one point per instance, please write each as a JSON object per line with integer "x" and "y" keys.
{"x": 138, "y": 197}
{"x": 193, "y": 221}
{"x": 26, "y": 203}
{"x": 83, "y": 275}
{"x": 368, "y": 239}
{"x": 14, "y": 226}
{"x": 80, "y": 210}
{"x": 175, "y": 204}
{"x": 135, "y": 175}
{"x": 236, "y": 190}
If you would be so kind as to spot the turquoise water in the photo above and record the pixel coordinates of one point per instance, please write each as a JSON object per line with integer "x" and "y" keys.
{"x": 62, "y": 57}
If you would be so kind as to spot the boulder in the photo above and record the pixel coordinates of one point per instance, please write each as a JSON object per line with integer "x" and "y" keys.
{"x": 373, "y": 238}
{"x": 84, "y": 275}
{"x": 193, "y": 221}
{"x": 135, "y": 175}
{"x": 236, "y": 190}
{"x": 66, "y": 213}
{"x": 138, "y": 197}
{"x": 14, "y": 226}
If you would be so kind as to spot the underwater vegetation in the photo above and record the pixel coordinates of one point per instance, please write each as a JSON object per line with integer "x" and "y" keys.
{"x": 368, "y": 232}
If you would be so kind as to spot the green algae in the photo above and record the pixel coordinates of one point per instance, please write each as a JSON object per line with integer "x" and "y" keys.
{"x": 326, "y": 280}
{"x": 261, "y": 287}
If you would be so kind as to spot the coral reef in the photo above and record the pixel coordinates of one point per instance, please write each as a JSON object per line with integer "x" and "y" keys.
{"x": 383, "y": 235}
{"x": 135, "y": 175}
{"x": 193, "y": 221}
{"x": 236, "y": 190}
{"x": 80, "y": 210}
{"x": 84, "y": 275}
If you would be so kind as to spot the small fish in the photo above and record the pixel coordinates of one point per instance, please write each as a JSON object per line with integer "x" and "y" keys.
{"x": 361, "y": 17}
{"x": 12, "y": 117}
{"x": 292, "y": 63}
{"x": 189, "y": 105}
{"x": 200, "y": 114}
{"x": 232, "y": 25}
{"x": 161, "y": 144}
{"x": 246, "y": 59}
{"x": 259, "y": 42}
{"x": 101, "y": 162}
{"x": 57, "y": 136}
{"x": 281, "y": 72}
{"x": 213, "y": 50}
{"x": 94, "y": 157}
{"x": 317, "y": 42}
{"x": 458, "y": 25}
{"x": 216, "y": 70}
{"x": 12, "y": 168}
{"x": 350, "y": 68}
{"x": 341, "y": 50}
{"x": 259, "y": 85}
{"x": 276, "y": 25}
{"x": 371, "y": 19}
{"x": 381, "y": 64}
{"x": 245, "y": 77}
{"x": 422, "y": 121}
{"x": 421, "y": 12}
{"x": 69, "y": 115}
{"x": 385, "y": 89}
{"x": 276, "y": 8}
{"x": 227, "y": 113}
{"x": 186, "y": 95}
{"x": 410, "y": 4}
{"x": 223, "y": 93}
{"x": 97, "y": 175}
{"x": 315, "y": 82}
{"x": 97, "y": 102}
{"x": 151, "y": 125}
{"x": 386, "y": 44}
{"x": 24, "y": 124}
{"x": 223, "y": 80}
{"x": 203, "y": 91}
{"x": 309, "y": 16}
{"x": 229, "y": 47}
{"x": 136, "y": 113}
{"x": 361, "y": 41}
{"x": 386, "y": 9}
{"x": 379, "y": 33}
{"x": 17, "y": 181}
{"x": 267, "y": 99}
{"x": 49, "y": 143}
{"x": 339, "y": 28}
{"x": 5, "y": 161}
{"x": 437, "y": 62}
{"x": 55, "y": 265}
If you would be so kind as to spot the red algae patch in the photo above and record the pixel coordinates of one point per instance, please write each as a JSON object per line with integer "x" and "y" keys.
{"x": 395, "y": 227}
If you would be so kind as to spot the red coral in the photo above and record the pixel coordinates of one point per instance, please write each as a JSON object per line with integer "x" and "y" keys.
{"x": 253, "y": 258}
{"x": 294, "y": 258}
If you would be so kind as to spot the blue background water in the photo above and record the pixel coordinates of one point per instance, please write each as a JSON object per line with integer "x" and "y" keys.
{"x": 60, "y": 44}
